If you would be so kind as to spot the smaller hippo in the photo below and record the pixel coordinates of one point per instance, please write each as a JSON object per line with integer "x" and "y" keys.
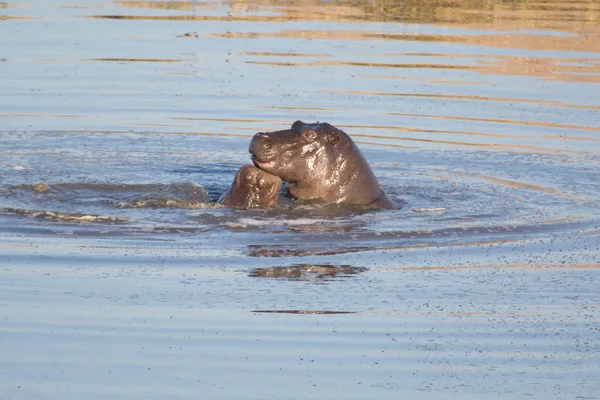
{"x": 252, "y": 188}
{"x": 320, "y": 163}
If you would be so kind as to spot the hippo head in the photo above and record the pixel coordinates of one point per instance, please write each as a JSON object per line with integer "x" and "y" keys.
{"x": 305, "y": 150}
{"x": 252, "y": 188}
{"x": 318, "y": 161}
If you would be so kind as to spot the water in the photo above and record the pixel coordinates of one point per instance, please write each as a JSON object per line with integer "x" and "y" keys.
{"x": 121, "y": 277}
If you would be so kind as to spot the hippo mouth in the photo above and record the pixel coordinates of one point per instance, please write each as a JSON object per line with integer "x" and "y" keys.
{"x": 263, "y": 163}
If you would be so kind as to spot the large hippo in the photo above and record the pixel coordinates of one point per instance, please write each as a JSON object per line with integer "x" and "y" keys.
{"x": 319, "y": 162}
{"x": 252, "y": 188}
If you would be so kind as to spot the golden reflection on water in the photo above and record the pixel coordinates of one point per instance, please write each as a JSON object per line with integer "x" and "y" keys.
{"x": 335, "y": 63}
{"x": 427, "y": 79}
{"x": 561, "y": 69}
{"x": 500, "y": 14}
{"x": 166, "y": 5}
{"x": 191, "y": 18}
{"x": 529, "y": 186}
{"x": 551, "y": 103}
{"x": 479, "y": 146}
{"x": 7, "y": 18}
{"x": 587, "y": 70}
{"x": 522, "y": 185}
{"x": 273, "y": 54}
{"x": 505, "y": 121}
{"x": 405, "y": 129}
{"x": 526, "y": 41}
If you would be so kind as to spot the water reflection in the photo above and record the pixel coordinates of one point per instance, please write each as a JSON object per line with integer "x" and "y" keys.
{"x": 61, "y": 217}
{"x": 309, "y": 312}
{"x": 296, "y": 251}
{"x": 308, "y": 272}
{"x": 152, "y": 60}
{"x": 573, "y": 69}
{"x": 512, "y": 14}
{"x": 166, "y": 5}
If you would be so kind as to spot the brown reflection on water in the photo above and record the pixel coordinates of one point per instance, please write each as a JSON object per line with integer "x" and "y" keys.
{"x": 294, "y": 251}
{"x": 308, "y": 272}
{"x": 287, "y": 251}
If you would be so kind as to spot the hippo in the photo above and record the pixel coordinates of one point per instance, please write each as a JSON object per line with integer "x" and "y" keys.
{"x": 319, "y": 163}
{"x": 252, "y": 188}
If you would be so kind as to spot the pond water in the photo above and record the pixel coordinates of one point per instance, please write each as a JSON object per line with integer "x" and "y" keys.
{"x": 122, "y": 122}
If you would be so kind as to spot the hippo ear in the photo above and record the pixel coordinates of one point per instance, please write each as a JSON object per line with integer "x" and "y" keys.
{"x": 297, "y": 124}
{"x": 333, "y": 138}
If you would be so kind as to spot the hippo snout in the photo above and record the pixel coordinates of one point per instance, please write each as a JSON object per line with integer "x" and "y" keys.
{"x": 261, "y": 147}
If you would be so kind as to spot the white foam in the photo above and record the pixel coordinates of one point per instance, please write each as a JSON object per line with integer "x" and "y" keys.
{"x": 246, "y": 222}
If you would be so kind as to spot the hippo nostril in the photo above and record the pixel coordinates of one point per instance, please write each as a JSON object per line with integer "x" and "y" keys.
{"x": 261, "y": 136}
{"x": 261, "y": 147}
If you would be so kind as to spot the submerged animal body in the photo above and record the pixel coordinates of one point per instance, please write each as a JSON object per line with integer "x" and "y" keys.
{"x": 319, "y": 162}
{"x": 252, "y": 188}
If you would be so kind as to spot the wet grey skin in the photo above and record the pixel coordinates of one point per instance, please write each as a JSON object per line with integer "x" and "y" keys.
{"x": 252, "y": 188}
{"x": 319, "y": 162}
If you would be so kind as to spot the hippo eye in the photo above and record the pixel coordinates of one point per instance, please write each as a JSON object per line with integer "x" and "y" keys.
{"x": 309, "y": 135}
{"x": 261, "y": 183}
